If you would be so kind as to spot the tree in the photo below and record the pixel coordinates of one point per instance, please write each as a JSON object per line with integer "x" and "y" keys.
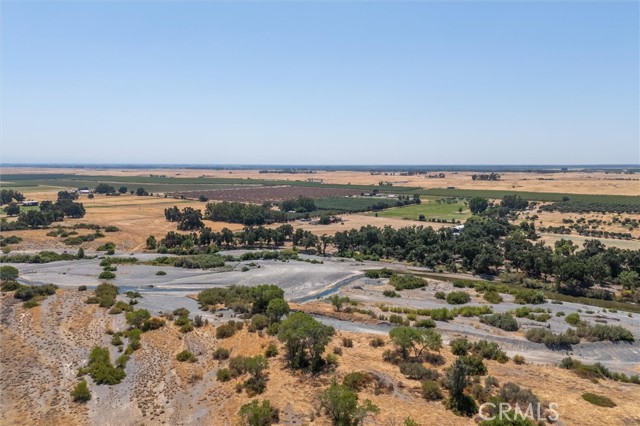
{"x": 478, "y": 205}
{"x": 629, "y": 280}
{"x": 190, "y": 218}
{"x": 122, "y": 190}
{"x": 141, "y": 192}
{"x": 34, "y": 219}
{"x": 80, "y": 254}
{"x": 341, "y": 405}
{"x": 66, "y": 195}
{"x": 416, "y": 339}
{"x": 103, "y": 188}
{"x": 457, "y": 381}
{"x": 81, "y": 392}
{"x": 262, "y": 295}
{"x": 305, "y": 340}
{"x": 152, "y": 244}
{"x": 256, "y": 414}
{"x": 8, "y": 273}
{"x": 13, "y": 209}
{"x": 276, "y": 309}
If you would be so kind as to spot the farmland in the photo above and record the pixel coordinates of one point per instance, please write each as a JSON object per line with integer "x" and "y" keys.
{"x": 431, "y": 208}
{"x": 272, "y": 194}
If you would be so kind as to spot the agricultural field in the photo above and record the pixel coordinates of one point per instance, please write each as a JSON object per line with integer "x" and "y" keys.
{"x": 431, "y": 208}
{"x": 272, "y": 194}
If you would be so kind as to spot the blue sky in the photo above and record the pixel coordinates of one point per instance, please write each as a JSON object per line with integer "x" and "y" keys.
{"x": 321, "y": 82}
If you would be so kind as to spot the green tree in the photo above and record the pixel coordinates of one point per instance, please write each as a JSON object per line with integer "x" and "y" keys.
{"x": 13, "y": 209}
{"x": 152, "y": 244}
{"x": 457, "y": 380}
{"x": 276, "y": 309}
{"x": 305, "y": 340}
{"x": 629, "y": 280}
{"x": 341, "y": 405}
{"x": 478, "y": 205}
{"x": 416, "y": 339}
{"x": 136, "y": 318}
{"x": 122, "y": 190}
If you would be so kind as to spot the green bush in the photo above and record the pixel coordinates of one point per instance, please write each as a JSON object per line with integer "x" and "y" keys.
{"x": 221, "y": 354}
{"x": 573, "y": 319}
{"x": 425, "y": 323}
{"x": 160, "y": 273}
{"x": 223, "y": 375}
{"x": 458, "y": 298}
{"x": 492, "y": 297}
{"x": 417, "y": 371}
{"x": 460, "y": 346}
{"x": 440, "y": 295}
{"x": 106, "y": 275}
{"x": 503, "y": 321}
{"x": 256, "y": 414}
{"x": 431, "y": 390}
{"x": 406, "y": 282}
{"x": 601, "y": 332}
{"x": 225, "y": 331}
{"x": 390, "y": 293}
{"x": 519, "y": 359}
{"x": 551, "y": 339}
{"x": 80, "y": 392}
{"x": 100, "y": 368}
{"x": 186, "y": 356}
{"x": 271, "y": 351}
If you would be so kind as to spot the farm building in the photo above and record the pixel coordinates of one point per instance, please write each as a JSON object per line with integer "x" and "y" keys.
{"x": 27, "y": 203}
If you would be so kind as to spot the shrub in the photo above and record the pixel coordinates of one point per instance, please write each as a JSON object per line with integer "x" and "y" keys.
{"x": 256, "y": 414}
{"x": 440, "y": 295}
{"x": 458, "y": 298}
{"x": 355, "y": 381}
{"x": 552, "y": 340}
{"x": 186, "y": 356}
{"x": 160, "y": 273}
{"x": 390, "y": 293}
{"x": 573, "y": 319}
{"x": 406, "y": 282}
{"x": 225, "y": 330}
{"x": 100, "y": 368}
{"x": 459, "y": 346}
{"x": 106, "y": 275}
{"x": 519, "y": 359}
{"x": 442, "y": 314}
{"x": 82, "y": 288}
{"x": 492, "y": 297}
{"x": 599, "y": 400}
{"x": 417, "y": 371}
{"x": 221, "y": 354}
{"x": 376, "y": 342}
{"x": 431, "y": 390}
{"x": 347, "y": 342}
{"x": 503, "y": 321}
{"x": 526, "y": 296}
{"x": 489, "y": 350}
{"x": 259, "y": 322}
{"x": 8, "y": 273}
{"x": 271, "y": 351}
{"x": 80, "y": 392}
{"x": 601, "y": 332}
{"x": 223, "y": 375}
{"x": 425, "y": 323}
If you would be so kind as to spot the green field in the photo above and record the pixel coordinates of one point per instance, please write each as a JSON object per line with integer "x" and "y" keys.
{"x": 530, "y": 196}
{"x": 166, "y": 184}
{"x": 431, "y": 209}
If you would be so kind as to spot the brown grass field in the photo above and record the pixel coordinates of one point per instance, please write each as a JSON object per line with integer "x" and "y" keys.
{"x": 569, "y": 182}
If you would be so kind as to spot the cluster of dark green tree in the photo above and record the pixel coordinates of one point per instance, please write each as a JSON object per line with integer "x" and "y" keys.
{"x": 247, "y": 214}
{"x": 188, "y": 219}
{"x": 299, "y": 205}
{"x": 9, "y": 195}
{"x": 106, "y": 189}
{"x": 207, "y": 240}
{"x": 48, "y": 213}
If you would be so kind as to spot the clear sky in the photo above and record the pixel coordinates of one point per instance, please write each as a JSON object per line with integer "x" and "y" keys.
{"x": 320, "y": 82}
